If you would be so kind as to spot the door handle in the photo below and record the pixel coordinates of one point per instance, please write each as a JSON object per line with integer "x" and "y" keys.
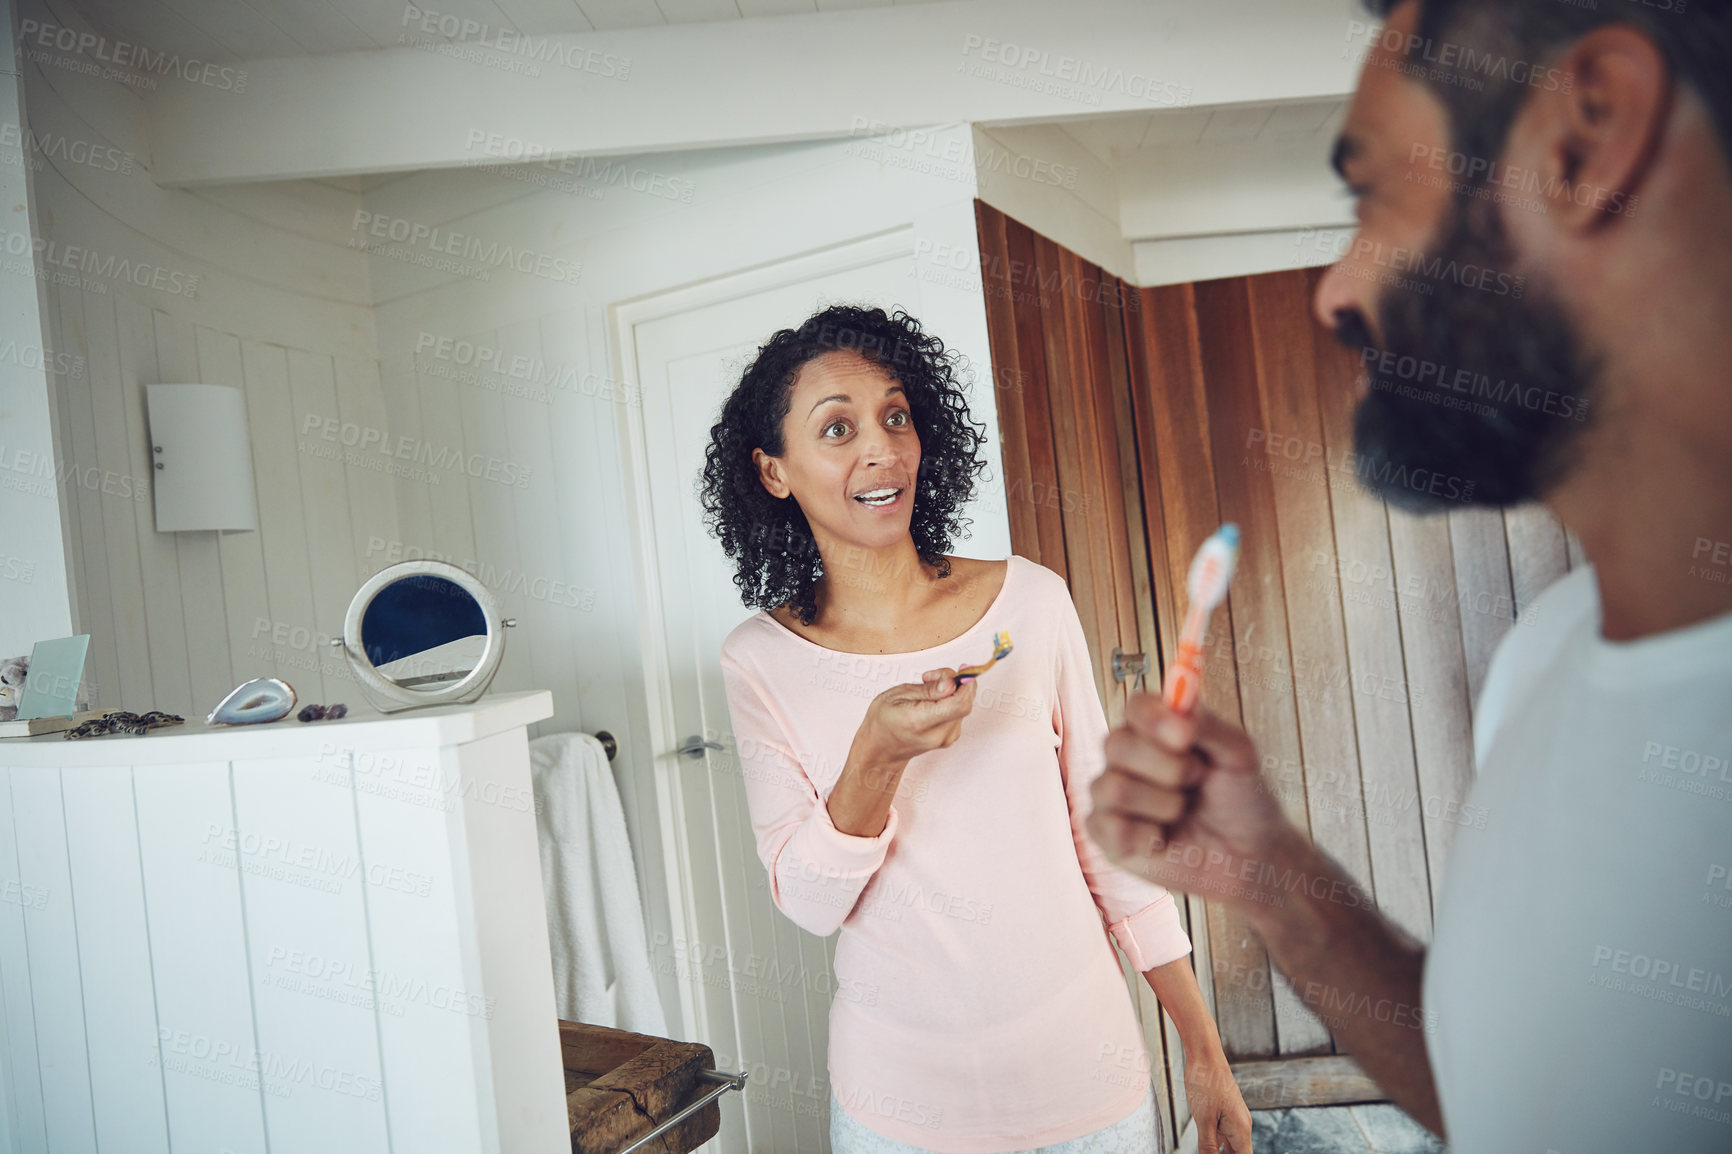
{"x": 694, "y": 746}
{"x": 1129, "y": 665}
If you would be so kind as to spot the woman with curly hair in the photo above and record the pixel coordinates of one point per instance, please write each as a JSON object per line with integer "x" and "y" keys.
{"x": 937, "y": 825}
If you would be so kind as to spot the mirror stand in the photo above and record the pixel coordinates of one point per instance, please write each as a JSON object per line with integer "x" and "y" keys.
{"x": 410, "y": 633}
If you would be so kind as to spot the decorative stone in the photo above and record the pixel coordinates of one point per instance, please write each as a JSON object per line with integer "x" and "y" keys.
{"x": 258, "y": 700}
{"x": 322, "y": 712}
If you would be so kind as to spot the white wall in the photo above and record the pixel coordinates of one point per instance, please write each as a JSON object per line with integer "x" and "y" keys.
{"x": 1219, "y": 192}
{"x": 243, "y": 286}
{"x": 1203, "y": 209}
{"x": 34, "y": 588}
{"x": 1180, "y": 260}
{"x": 730, "y": 82}
{"x": 287, "y": 307}
{"x": 698, "y": 216}
{"x": 514, "y": 474}
{"x": 376, "y": 436}
{"x": 1041, "y": 177}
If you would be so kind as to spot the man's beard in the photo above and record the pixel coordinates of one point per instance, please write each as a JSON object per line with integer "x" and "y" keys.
{"x": 1478, "y": 395}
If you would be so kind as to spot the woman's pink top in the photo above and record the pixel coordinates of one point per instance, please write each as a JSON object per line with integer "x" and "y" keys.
{"x": 979, "y": 1005}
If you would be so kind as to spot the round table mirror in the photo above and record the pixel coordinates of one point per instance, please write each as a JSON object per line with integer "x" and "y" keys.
{"x": 423, "y": 633}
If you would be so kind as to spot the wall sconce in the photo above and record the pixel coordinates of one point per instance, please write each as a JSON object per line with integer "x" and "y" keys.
{"x": 203, "y": 476}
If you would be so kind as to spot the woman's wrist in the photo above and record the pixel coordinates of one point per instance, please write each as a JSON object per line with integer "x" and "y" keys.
{"x": 860, "y": 802}
{"x": 1203, "y": 1049}
{"x": 874, "y": 774}
{"x": 868, "y": 760}
{"x": 1197, "y": 1034}
{"x": 1175, "y": 984}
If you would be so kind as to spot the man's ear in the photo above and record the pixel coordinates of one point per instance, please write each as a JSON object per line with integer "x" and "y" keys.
{"x": 770, "y": 473}
{"x": 1599, "y": 114}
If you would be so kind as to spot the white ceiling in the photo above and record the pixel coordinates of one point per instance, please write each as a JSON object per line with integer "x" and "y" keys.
{"x": 361, "y": 183}
{"x": 267, "y": 29}
{"x": 291, "y": 33}
{"x": 1114, "y": 138}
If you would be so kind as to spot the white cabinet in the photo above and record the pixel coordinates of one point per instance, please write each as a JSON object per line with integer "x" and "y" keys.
{"x": 296, "y": 937}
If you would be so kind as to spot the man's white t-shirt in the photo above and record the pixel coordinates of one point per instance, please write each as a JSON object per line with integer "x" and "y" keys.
{"x": 1579, "y": 981}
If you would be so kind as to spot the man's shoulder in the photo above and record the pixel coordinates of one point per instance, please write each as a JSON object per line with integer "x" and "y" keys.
{"x": 1558, "y": 608}
{"x": 1530, "y": 646}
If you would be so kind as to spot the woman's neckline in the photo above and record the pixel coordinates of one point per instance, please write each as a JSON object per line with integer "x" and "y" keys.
{"x": 1003, "y": 588}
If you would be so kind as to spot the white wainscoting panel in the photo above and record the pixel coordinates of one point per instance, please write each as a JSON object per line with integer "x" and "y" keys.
{"x": 285, "y": 937}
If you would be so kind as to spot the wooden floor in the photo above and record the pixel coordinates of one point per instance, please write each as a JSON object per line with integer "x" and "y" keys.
{"x": 1381, "y": 1129}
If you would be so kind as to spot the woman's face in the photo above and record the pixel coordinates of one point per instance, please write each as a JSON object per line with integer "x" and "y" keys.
{"x": 848, "y": 435}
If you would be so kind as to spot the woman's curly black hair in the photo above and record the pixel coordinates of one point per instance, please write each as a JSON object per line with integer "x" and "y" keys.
{"x": 776, "y": 559}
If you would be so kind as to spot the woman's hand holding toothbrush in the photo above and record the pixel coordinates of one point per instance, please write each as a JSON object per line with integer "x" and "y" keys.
{"x": 902, "y": 723}
{"x": 907, "y": 720}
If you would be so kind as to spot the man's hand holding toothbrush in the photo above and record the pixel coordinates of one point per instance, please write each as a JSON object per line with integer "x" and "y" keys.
{"x": 1182, "y": 802}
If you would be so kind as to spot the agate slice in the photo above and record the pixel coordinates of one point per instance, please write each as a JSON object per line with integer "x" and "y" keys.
{"x": 261, "y": 699}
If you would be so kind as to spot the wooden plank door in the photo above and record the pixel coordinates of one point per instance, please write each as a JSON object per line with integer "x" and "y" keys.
{"x": 1356, "y": 636}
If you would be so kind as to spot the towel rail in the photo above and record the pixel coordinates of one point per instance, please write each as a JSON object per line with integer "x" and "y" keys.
{"x": 725, "y": 1082}
{"x": 608, "y": 744}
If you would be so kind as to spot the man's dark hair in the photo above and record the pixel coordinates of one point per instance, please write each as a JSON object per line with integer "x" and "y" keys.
{"x": 1488, "y": 40}
{"x": 1477, "y": 57}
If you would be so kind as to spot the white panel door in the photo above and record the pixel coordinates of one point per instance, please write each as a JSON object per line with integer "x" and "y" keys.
{"x": 756, "y": 987}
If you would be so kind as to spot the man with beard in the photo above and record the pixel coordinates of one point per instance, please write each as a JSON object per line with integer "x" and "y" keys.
{"x": 1555, "y": 179}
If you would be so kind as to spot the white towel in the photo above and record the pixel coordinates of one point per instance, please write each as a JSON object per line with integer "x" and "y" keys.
{"x": 595, "y": 923}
